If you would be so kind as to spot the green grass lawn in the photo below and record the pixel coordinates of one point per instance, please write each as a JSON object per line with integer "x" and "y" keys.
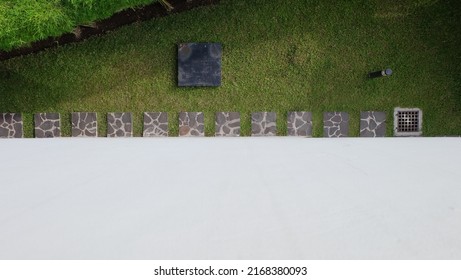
{"x": 301, "y": 56}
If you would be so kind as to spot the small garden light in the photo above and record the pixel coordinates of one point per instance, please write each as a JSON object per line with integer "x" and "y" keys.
{"x": 382, "y": 73}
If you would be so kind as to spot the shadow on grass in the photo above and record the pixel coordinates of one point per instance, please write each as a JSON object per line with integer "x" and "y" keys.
{"x": 20, "y": 94}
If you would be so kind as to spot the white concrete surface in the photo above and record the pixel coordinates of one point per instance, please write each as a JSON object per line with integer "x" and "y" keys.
{"x": 221, "y": 198}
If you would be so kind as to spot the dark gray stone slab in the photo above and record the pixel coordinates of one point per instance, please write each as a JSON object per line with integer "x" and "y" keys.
{"x": 47, "y": 125}
{"x": 227, "y": 124}
{"x": 199, "y": 64}
{"x": 372, "y": 124}
{"x": 11, "y": 125}
{"x": 263, "y": 124}
{"x": 119, "y": 125}
{"x": 335, "y": 124}
{"x": 84, "y": 124}
{"x": 191, "y": 124}
{"x": 299, "y": 124}
{"x": 155, "y": 124}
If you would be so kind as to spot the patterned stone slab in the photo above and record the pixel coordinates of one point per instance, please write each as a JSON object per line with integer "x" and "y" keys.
{"x": 227, "y": 124}
{"x": 84, "y": 124}
{"x": 199, "y": 64}
{"x": 372, "y": 124}
{"x": 119, "y": 125}
{"x": 191, "y": 124}
{"x": 335, "y": 124}
{"x": 299, "y": 124}
{"x": 47, "y": 125}
{"x": 11, "y": 125}
{"x": 155, "y": 124}
{"x": 263, "y": 124}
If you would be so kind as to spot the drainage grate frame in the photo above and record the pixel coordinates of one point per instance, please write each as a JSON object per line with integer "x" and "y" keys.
{"x": 408, "y": 121}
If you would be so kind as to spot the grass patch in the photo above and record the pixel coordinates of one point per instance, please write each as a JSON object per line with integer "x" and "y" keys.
{"x": 26, "y": 21}
{"x": 306, "y": 55}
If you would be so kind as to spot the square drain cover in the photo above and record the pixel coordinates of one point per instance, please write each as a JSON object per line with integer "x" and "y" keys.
{"x": 408, "y": 122}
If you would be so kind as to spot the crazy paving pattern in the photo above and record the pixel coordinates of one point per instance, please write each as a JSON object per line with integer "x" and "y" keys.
{"x": 299, "y": 124}
{"x": 335, "y": 124}
{"x": 191, "y": 124}
{"x": 155, "y": 124}
{"x": 263, "y": 124}
{"x": 372, "y": 124}
{"x": 84, "y": 124}
{"x": 11, "y": 125}
{"x": 47, "y": 125}
{"x": 227, "y": 124}
{"x": 119, "y": 125}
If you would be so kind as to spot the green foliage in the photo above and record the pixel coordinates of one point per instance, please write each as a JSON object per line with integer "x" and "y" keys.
{"x": 25, "y": 21}
{"x": 305, "y": 56}
{"x": 85, "y": 11}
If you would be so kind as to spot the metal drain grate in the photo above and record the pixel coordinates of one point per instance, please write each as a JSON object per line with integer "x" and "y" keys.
{"x": 408, "y": 121}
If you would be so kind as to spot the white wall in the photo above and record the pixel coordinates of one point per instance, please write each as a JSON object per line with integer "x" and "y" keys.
{"x": 238, "y": 198}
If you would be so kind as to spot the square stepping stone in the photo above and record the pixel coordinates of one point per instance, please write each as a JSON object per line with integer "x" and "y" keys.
{"x": 11, "y": 125}
{"x": 119, "y": 125}
{"x": 47, "y": 125}
{"x": 335, "y": 124}
{"x": 372, "y": 124}
{"x": 84, "y": 124}
{"x": 299, "y": 124}
{"x": 191, "y": 124}
{"x": 263, "y": 124}
{"x": 199, "y": 64}
{"x": 227, "y": 124}
{"x": 155, "y": 124}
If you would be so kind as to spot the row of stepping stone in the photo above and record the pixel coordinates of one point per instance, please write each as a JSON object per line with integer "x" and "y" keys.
{"x": 84, "y": 124}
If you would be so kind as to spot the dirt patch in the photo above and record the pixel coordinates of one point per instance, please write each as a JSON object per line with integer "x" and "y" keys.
{"x": 117, "y": 20}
